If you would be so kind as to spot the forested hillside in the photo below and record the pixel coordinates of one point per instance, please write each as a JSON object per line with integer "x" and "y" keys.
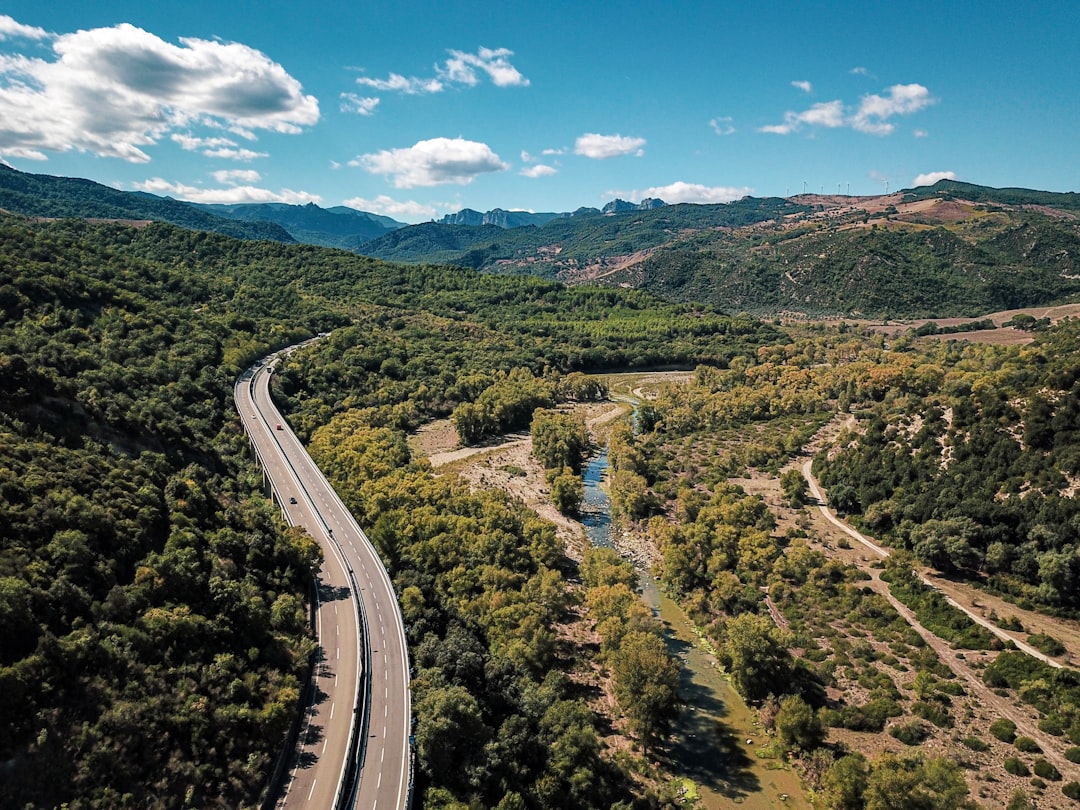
{"x": 944, "y": 250}
{"x": 42, "y": 195}
{"x": 151, "y": 604}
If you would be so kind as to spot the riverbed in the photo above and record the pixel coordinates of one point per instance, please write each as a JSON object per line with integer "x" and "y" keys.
{"x": 715, "y": 738}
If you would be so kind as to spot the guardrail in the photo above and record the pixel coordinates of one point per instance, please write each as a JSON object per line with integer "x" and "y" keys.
{"x": 349, "y": 779}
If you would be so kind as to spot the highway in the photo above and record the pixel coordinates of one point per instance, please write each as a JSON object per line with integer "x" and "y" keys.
{"x": 361, "y": 712}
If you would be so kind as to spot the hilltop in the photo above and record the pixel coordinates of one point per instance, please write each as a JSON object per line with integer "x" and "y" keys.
{"x": 947, "y": 249}
{"x": 951, "y": 249}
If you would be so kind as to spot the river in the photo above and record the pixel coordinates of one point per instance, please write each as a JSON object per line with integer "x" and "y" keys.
{"x": 714, "y": 740}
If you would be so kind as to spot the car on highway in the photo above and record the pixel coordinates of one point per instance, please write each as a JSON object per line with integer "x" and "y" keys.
{"x": 279, "y": 427}
{"x": 292, "y": 500}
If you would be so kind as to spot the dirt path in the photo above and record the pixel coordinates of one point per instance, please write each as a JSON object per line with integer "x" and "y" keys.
{"x": 1026, "y": 720}
{"x": 881, "y": 552}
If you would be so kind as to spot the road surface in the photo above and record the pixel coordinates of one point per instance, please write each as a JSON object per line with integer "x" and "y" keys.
{"x": 361, "y": 713}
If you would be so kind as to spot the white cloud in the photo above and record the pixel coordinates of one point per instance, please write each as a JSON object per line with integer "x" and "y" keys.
{"x": 115, "y": 91}
{"x": 901, "y": 99}
{"x": 871, "y": 117}
{"x": 539, "y": 170}
{"x": 601, "y": 147}
{"x": 235, "y": 154}
{"x": 829, "y": 114}
{"x": 930, "y": 178}
{"x": 233, "y": 194}
{"x": 859, "y": 71}
{"x": 680, "y": 192}
{"x": 11, "y": 29}
{"x": 191, "y": 143}
{"x": 433, "y": 162}
{"x": 805, "y": 86}
{"x": 920, "y": 133}
{"x": 361, "y": 105}
{"x": 235, "y": 177}
{"x": 389, "y": 207}
{"x": 397, "y": 83}
{"x": 722, "y": 125}
{"x": 460, "y": 69}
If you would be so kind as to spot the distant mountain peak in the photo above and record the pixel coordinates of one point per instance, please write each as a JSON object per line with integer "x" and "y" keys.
{"x": 618, "y": 206}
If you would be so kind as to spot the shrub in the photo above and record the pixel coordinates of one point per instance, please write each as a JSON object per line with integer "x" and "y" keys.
{"x": 1046, "y": 770}
{"x": 1016, "y": 767}
{"x": 1027, "y": 745}
{"x": 1052, "y": 726}
{"x": 1047, "y": 645}
{"x": 935, "y": 713}
{"x": 1073, "y": 754}
{"x": 975, "y": 744}
{"x": 1072, "y": 790}
{"x": 910, "y": 733}
{"x": 1004, "y": 729}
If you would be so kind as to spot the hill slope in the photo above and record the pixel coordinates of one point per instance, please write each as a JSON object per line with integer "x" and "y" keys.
{"x": 338, "y": 227}
{"x": 42, "y": 195}
{"x": 948, "y": 249}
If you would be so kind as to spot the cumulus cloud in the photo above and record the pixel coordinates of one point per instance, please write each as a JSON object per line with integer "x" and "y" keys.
{"x": 920, "y": 133}
{"x": 11, "y": 29}
{"x": 601, "y": 147}
{"x": 805, "y": 86}
{"x": 115, "y": 91}
{"x": 460, "y": 69}
{"x": 900, "y": 99}
{"x": 389, "y": 207}
{"x": 871, "y": 116}
{"x": 829, "y": 114}
{"x": 539, "y": 170}
{"x": 859, "y": 71}
{"x": 722, "y": 125}
{"x": 217, "y": 147}
{"x": 396, "y": 83}
{"x": 433, "y": 162}
{"x": 680, "y": 192}
{"x": 236, "y": 177}
{"x": 232, "y": 194}
{"x": 929, "y": 178}
{"x": 361, "y": 105}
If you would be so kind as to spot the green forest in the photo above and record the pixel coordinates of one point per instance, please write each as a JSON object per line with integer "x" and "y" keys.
{"x": 153, "y": 607}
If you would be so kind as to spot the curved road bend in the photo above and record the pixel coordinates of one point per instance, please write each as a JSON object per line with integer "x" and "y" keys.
{"x": 381, "y": 693}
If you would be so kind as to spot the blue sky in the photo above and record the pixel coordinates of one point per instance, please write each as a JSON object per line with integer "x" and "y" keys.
{"x": 417, "y": 109}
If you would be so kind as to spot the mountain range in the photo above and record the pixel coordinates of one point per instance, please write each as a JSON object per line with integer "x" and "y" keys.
{"x": 948, "y": 249}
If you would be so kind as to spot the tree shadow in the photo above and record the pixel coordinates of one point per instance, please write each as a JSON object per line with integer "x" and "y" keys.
{"x": 332, "y": 593}
{"x": 703, "y": 747}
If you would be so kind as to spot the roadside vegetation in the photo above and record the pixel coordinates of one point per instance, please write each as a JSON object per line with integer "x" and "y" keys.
{"x": 148, "y": 592}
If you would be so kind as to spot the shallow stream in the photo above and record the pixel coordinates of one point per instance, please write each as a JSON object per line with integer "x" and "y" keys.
{"x": 714, "y": 739}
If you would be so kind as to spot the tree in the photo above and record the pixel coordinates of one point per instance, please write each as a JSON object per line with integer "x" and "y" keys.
{"x": 915, "y": 783}
{"x": 560, "y": 440}
{"x": 797, "y": 725}
{"x": 646, "y": 685}
{"x": 793, "y": 485}
{"x": 567, "y": 491}
{"x": 844, "y": 784}
{"x": 756, "y": 652}
{"x": 450, "y": 734}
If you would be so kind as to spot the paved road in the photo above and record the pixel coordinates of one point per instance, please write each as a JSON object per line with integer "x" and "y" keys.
{"x": 371, "y": 702}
